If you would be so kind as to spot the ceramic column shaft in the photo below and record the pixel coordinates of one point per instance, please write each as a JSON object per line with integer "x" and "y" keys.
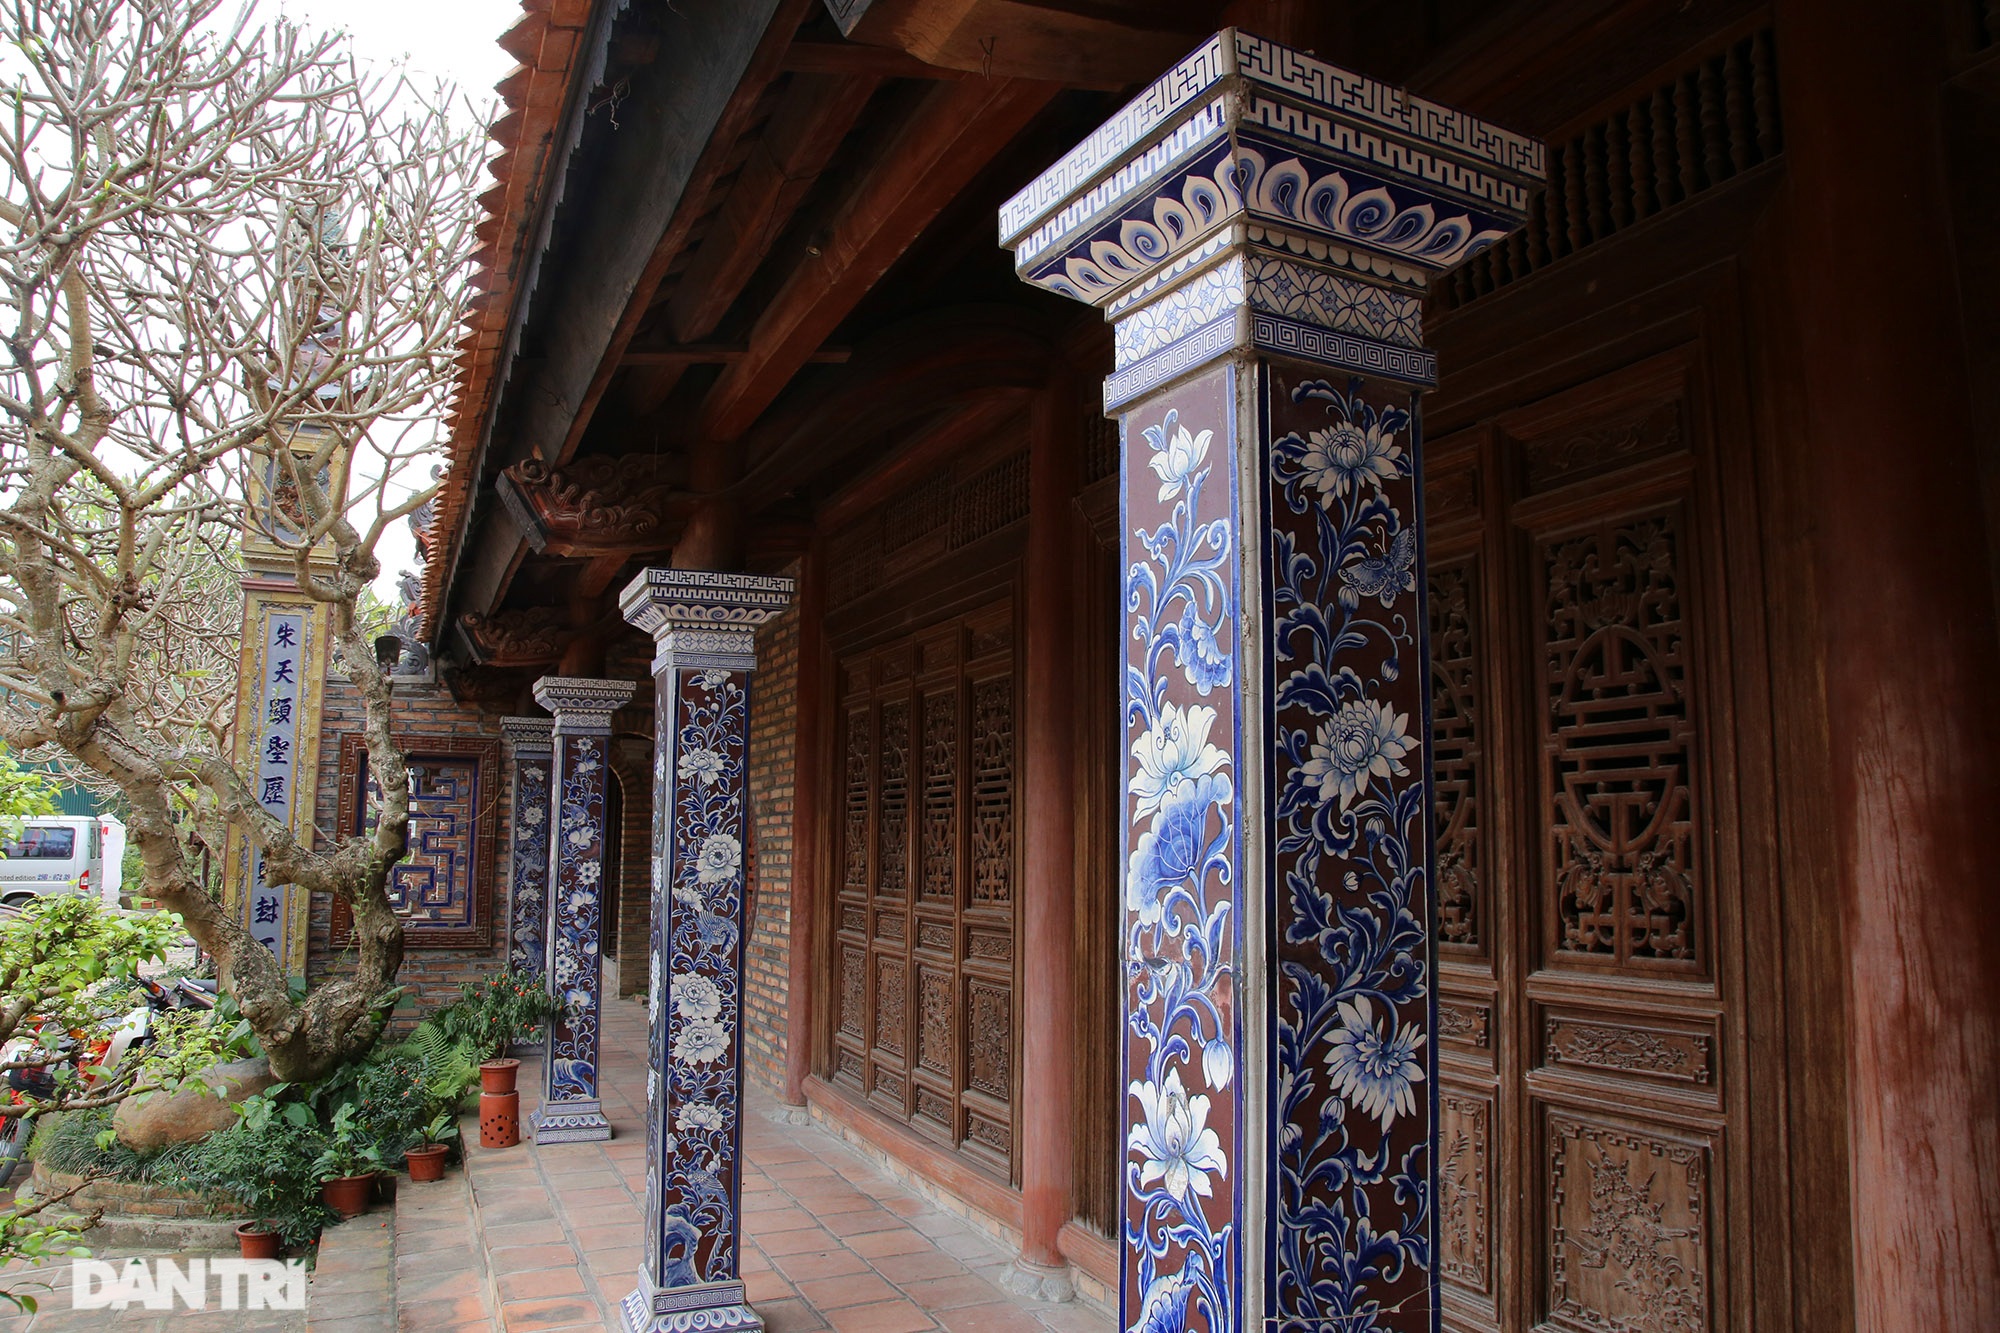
{"x": 1260, "y": 226}
{"x": 581, "y": 742}
{"x": 531, "y": 748}
{"x": 704, "y": 628}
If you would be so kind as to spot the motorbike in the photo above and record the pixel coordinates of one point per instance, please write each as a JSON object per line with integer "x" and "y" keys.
{"x": 41, "y": 1081}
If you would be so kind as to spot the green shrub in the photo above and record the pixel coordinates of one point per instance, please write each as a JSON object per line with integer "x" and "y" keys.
{"x": 269, "y": 1162}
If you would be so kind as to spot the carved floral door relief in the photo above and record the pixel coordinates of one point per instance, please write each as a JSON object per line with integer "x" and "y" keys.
{"x": 927, "y": 879}
{"x": 1582, "y": 1122}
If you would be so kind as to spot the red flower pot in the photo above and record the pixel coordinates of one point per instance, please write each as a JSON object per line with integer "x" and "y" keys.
{"x": 256, "y": 1241}
{"x": 499, "y": 1119}
{"x": 426, "y": 1163}
{"x": 498, "y": 1075}
{"x": 348, "y": 1195}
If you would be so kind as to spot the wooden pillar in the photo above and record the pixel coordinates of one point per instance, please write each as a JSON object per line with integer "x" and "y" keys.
{"x": 704, "y": 628}
{"x": 530, "y": 753}
{"x": 1907, "y": 612}
{"x": 808, "y": 736}
{"x": 1048, "y": 793}
{"x": 581, "y": 740}
{"x": 1260, "y": 227}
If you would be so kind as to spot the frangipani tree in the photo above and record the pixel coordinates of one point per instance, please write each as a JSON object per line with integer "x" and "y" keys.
{"x": 233, "y": 271}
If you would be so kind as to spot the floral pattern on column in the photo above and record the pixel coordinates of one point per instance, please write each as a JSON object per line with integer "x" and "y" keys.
{"x": 528, "y": 911}
{"x": 570, "y": 1111}
{"x": 704, "y": 625}
{"x": 1353, "y": 1226}
{"x": 1182, "y": 1164}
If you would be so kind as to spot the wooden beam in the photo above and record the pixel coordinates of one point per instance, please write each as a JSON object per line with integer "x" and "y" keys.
{"x": 1077, "y": 43}
{"x": 943, "y": 147}
{"x": 812, "y": 118}
{"x": 922, "y": 454}
{"x": 715, "y": 354}
{"x": 680, "y": 122}
{"x": 854, "y": 59}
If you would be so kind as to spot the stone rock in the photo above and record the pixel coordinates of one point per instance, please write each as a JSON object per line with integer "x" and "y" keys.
{"x": 148, "y": 1124}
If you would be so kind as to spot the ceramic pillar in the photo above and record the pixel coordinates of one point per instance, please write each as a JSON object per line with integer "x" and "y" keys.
{"x": 704, "y": 626}
{"x": 531, "y": 754}
{"x": 1260, "y": 227}
{"x": 581, "y": 745}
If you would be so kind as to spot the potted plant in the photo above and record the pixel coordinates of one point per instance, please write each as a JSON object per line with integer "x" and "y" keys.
{"x": 426, "y": 1161}
{"x": 258, "y": 1239}
{"x": 498, "y": 1075}
{"x": 348, "y": 1165}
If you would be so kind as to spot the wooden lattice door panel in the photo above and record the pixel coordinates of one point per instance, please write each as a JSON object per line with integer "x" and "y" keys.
{"x": 925, "y": 921}
{"x": 1583, "y": 1163}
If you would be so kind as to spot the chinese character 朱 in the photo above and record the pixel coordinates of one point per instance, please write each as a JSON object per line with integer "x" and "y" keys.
{"x": 287, "y": 635}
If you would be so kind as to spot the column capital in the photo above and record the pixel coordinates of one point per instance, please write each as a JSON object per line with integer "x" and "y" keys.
{"x": 701, "y": 618}
{"x": 528, "y": 736}
{"x": 583, "y": 703}
{"x": 1255, "y": 197}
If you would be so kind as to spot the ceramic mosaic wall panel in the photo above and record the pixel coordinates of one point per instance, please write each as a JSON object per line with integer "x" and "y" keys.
{"x": 705, "y": 627}
{"x": 443, "y": 888}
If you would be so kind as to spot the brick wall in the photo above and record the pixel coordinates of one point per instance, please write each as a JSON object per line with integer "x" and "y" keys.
{"x": 773, "y": 715}
{"x": 632, "y": 763}
{"x": 432, "y": 975}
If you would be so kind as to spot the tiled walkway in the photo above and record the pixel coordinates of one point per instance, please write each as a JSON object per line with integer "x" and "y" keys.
{"x": 548, "y": 1238}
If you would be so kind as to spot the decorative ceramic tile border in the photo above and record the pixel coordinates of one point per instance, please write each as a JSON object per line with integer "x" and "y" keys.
{"x": 529, "y": 739}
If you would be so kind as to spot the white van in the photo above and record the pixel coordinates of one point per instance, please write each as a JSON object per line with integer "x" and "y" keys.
{"x": 52, "y": 854}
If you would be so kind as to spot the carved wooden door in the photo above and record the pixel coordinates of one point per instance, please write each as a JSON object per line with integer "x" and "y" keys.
{"x": 925, "y": 1018}
{"x": 1584, "y": 865}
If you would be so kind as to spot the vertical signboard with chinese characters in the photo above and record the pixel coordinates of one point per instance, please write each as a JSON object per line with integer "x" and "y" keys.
{"x": 277, "y": 752}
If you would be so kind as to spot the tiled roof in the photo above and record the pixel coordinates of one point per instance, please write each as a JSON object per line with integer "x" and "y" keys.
{"x": 549, "y": 40}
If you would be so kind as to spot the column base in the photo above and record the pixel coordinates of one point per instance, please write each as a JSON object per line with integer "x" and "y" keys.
{"x": 697, "y": 1309}
{"x": 569, "y": 1122}
{"x": 1039, "y": 1282}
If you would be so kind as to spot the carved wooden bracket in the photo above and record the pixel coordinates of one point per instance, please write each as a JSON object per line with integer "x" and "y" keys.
{"x": 530, "y": 636}
{"x": 598, "y": 506}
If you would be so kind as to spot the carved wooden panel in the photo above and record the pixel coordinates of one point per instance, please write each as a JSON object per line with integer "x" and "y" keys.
{"x": 1622, "y": 809}
{"x": 925, "y": 917}
{"x": 1627, "y": 1228}
{"x": 1456, "y": 756}
{"x": 1671, "y": 1054}
{"x": 1465, "y": 1189}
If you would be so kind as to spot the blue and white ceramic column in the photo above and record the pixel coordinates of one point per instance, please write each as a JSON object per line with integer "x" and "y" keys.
{"x": 581, "y": 746}
{"x": 1260, "y": 227}
{"x": 704, "y": 627}
{"x": 530, "y": 754}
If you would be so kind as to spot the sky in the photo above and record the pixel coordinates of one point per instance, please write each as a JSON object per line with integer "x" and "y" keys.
{"x": 451, "y": 39}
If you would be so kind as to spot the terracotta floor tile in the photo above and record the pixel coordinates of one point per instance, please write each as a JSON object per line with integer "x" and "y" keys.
{"x": 862, "y": 1221}
{"x": 897, "y": 1316}
{"x": 945, "y": 1293}
{"x": 999, "y": 1317}
{"x": 539, "y": 1283}
{"x": 819, "y": 1263}
{"x": 525, "y": 1258}
{"x": 521, "y": 1316}
{"x": 758, "y": 1287}
{"x": 782, "y": 1219}
{"x": 790, "y": 1317}
{"x": 891, "y": 1240}
{"x": 830, "y": 1293}
{"x": 920, "y": 1266}
{"x": 423, "y": 1316}
{"x": 796, "y": 1241}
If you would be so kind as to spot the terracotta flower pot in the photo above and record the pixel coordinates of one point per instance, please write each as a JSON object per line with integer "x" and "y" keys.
{"x": 426, "y": 1163}
{"x": 348, "y": 1195}
{"x": 257, "y": 1241}
{"x": 498, "y": 1075}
